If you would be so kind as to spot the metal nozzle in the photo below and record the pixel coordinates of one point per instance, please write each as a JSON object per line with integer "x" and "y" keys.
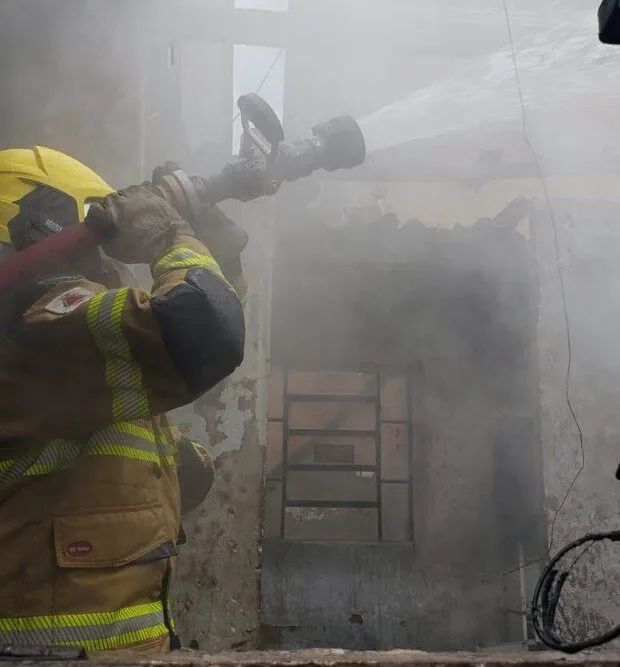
{"x": 341, "y": 143}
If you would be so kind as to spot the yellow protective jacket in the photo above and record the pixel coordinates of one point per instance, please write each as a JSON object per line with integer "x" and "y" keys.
{"x": 89, "y": 494}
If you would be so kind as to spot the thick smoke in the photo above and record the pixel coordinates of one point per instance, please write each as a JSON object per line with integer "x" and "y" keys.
{"x": 440, "y": 260}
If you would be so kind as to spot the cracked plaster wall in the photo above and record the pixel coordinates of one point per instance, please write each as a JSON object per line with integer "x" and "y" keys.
{"x": 217, "y": 587}
{"x": 590, "y": 244}
{"x": 589, "y": 239}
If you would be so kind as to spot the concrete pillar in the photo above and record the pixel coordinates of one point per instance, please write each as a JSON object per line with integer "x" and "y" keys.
{"x": 217, "y": 588}
{"x": 581, "y": 493}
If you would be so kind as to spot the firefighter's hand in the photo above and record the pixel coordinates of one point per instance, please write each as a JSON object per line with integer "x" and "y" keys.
{"x": 225, "y": 239}
{"x": 136, "y": 224}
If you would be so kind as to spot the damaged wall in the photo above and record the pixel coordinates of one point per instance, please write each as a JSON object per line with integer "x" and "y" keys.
{"x": 458, "y": 309}
{"x": 589, "y": 243}
{"x": 217, "y": 587}
{"x": 303, "y": 582}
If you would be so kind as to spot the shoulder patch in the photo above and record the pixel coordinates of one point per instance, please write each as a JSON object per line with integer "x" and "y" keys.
{"x": 69, "y": 301}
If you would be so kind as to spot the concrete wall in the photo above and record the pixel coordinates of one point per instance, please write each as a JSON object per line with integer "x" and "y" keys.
{"x": 369, "y": 597}
{"x": 458, "y": 308}
{"x": 217, "y": 587}
{"x": 315, "y": 593}
{"x": 589, "y": 242}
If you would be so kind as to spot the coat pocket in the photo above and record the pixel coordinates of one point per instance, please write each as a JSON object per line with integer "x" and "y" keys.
{"x": 112, "y": 538}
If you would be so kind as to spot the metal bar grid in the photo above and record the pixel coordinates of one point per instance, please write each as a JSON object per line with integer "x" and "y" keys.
{"x": 331, "y": 432}
{"x": 410, "y": 435}
{"x": 378, "y": 455}
{"x": 288, "y": 432}
{"x": 331, "y": 467}
{"x": 330, "y": 398}
{"x": 354, "y": 504}
{"x": 285, "y": 436}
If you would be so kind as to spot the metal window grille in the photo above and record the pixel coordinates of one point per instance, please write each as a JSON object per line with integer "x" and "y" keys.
{"x": 340, "y": 462}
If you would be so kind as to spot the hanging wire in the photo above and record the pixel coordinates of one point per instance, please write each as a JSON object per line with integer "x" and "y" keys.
{"x": 551, "y": 582}
{"x": 265, "y": 78}
{"x": 558, "y": 255}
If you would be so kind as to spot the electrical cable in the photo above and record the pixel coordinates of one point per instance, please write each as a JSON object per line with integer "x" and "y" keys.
{"x": 547, "y": 596}
{"x": 551, "y": 582}
{"x": 265, "y": 78}
{"x": 558, "y": 255}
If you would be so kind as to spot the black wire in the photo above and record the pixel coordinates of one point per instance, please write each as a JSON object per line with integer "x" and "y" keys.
{"x": 517, "y": 568}
{"x": 547, "y": 594}
{"x": 265, "y": 78}
{"x": 551, "y": 581}
{"x": 581, "y": 555}
{"x": 561, "y": 280}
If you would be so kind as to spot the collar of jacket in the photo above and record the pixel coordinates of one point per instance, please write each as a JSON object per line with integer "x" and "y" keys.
{"x": 15, "y": 302}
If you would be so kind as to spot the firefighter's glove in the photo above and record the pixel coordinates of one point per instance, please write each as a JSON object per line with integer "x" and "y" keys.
{"x": 225, "y": 239}
{"x": 136, "y": 224}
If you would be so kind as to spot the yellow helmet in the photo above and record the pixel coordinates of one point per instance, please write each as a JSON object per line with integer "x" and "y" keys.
{"x": 42, "y": 191}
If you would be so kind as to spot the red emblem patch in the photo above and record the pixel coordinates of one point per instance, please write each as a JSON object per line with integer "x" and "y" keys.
{"x": 80, "y": 548}
{"x": 69, "y": 301}
{"x": 73, "y": 299}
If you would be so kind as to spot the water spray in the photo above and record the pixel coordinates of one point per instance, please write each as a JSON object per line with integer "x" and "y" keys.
{"x": 556, "y": 63}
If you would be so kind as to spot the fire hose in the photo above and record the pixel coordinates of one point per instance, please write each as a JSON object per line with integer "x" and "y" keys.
{"x": 265, "y": 161}
{"x": 547, "y": 597}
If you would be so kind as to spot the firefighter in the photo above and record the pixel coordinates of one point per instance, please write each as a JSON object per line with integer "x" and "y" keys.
{"x": 90, "y": 501}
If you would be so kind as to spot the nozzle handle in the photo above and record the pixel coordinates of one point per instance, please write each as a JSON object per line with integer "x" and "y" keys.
{"x": 254, "y": 109}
